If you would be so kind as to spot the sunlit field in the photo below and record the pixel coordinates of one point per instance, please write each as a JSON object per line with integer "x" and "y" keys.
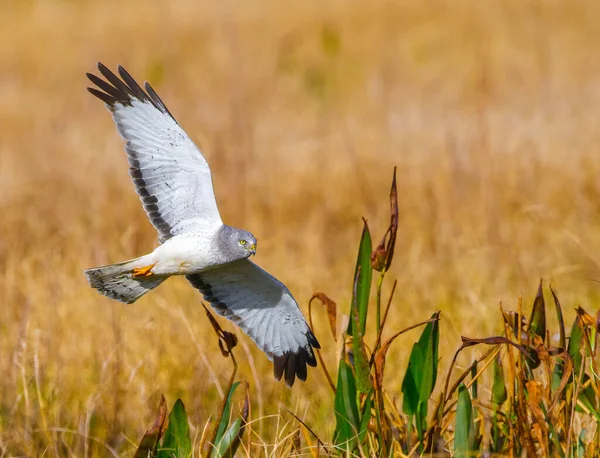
{"x": 490, "y": 111}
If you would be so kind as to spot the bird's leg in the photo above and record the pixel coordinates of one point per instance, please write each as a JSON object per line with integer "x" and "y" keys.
{"x": 145, "y": 271}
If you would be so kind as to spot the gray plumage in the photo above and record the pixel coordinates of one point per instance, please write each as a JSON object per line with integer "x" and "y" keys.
{"x": 174, "y": 183}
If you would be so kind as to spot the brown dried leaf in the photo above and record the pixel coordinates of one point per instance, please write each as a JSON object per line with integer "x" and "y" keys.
{"x": 379, "y": 254}
{"x": 586, "y": 318}
{"x": 467, "y": 342}
{"x": 331, "y": 311}
{"x": 534, "y": 400}
{"x": 393, "y": 222}
{"x": 227, "y": 340}
{"x": 150, "y": 440}
{"x": 381, "y": 257}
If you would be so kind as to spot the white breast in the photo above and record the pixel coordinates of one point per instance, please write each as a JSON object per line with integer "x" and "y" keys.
{"x": 187, "y": 253}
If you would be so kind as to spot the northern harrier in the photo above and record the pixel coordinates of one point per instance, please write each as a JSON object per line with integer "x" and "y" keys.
{"x": 174, "y": 183}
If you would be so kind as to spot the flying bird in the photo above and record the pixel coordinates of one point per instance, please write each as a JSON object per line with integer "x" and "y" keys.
{"x": 175, "y": 186}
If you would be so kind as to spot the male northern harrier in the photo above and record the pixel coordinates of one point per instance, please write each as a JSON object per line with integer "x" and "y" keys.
{"x": 174, "y": 183}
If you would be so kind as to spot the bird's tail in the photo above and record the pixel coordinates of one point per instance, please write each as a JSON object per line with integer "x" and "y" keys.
{"x": 117, "y": 281}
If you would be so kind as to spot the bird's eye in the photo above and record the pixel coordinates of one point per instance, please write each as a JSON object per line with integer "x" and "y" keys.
{"x": 242, "y": 242}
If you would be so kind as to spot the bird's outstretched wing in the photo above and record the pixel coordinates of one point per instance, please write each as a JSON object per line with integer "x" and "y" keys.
{"x": 169, "y": 172}
{"x": 265, "y": 310}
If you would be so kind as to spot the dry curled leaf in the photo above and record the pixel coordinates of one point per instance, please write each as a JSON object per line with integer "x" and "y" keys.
{"x": 331, "y": 307}
{"x": 149, "y": 442}
{"x": 381, "y": 257}
{"x": 227, "y": 340}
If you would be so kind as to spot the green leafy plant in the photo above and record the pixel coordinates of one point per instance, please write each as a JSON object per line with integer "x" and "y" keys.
{"x": 543, "y": 397}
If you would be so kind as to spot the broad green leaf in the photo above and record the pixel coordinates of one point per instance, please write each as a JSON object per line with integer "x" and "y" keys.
{"x": 229, "y": 442}
{"x": 464, "y": 423}
{"x": 176, "y": 442}
{"x": 429, "y": 352}
{"x": 224, "y": 420}
{"x": 499, "y": 387}
{"x": 575, "y": 343}
{"x": 412, "y": 381}
{"x": 421, "y": 374}
{"x": 346, "y": 409}
{"x": 537, "y": 322}
{"x": 360, "y": 359}
{"x": 363, "y": 275}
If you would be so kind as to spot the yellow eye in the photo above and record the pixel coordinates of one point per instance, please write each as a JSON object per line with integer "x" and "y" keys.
{"x": 242, "y": 242}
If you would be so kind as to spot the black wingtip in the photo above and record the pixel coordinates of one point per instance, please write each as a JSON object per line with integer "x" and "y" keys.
{"x": 293, "y": 365}
{"x": 122, "y": 91}
{"x": 313, "y": 340}
{"x": 278, "y": 366}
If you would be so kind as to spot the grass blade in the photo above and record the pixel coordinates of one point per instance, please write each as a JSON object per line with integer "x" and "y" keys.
{"x": 230, "y": 441}
{"x": 224, "y": 420}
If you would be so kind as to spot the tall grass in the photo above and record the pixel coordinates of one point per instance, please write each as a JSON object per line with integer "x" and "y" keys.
{"x": 489, "y": 111}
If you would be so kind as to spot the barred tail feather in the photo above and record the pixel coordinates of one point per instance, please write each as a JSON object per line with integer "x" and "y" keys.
{"x": 117, "y": 282}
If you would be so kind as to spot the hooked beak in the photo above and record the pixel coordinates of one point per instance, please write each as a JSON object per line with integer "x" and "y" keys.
{"x": 253, "y": 249}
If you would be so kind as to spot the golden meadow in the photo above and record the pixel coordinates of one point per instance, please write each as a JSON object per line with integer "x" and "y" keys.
{"x": 490, "y": 110}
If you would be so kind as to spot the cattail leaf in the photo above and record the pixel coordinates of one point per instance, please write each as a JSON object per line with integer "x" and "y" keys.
{"x": 176, "y": 442}
{"x": 464, "y": 423}
{"x": 363, "y": 275}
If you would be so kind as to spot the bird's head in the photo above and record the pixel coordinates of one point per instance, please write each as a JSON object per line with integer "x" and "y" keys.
{"x": 247, "y": 242}
{"x": 238, "y": 243}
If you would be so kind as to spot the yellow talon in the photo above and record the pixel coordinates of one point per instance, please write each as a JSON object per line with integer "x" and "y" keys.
{"x": 143, "y": 271}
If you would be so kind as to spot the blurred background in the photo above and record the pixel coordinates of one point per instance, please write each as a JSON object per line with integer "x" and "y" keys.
{"x": 490, "y": 110}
